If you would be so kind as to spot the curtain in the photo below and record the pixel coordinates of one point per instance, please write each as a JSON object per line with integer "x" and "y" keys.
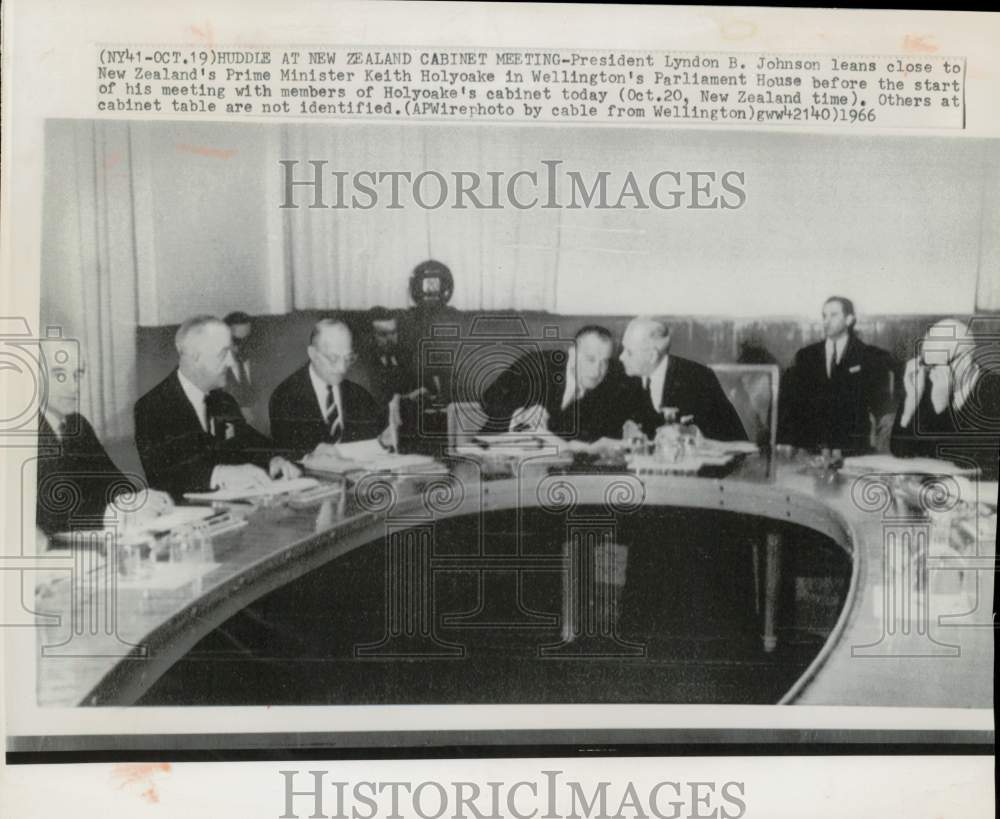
{"x": 354, "y": 258}
{"x": 89, "y": 262}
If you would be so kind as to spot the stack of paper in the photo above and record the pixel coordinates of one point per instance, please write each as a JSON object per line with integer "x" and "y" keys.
{"x": 890, "y": 464}
{"x": 365, "y": 456}
{"x": 278, "y": 487}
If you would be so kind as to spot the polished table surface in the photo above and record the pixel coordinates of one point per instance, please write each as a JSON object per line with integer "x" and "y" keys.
{"x": 915, "y": 629}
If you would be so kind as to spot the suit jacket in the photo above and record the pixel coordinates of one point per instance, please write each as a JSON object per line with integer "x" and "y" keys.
{"x": 78, "y": 480}
{"x": 694, "y": 389}
{"x": 835, "y": 411}
{"x": 382, "y": 381}
{"x": 177, "y": 454}
{"x": 970, "y": 435}
{"x": 539, "y": 378}
{"x": 297, "y": 422}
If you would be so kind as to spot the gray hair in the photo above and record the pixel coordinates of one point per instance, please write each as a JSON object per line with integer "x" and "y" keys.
{"x": 193, "y": 327}
{"x": 656, "y": 330}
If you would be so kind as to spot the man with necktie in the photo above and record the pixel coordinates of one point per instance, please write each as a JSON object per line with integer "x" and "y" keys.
{"x": 318, "y": 404}
{"x": 661, "y": 379}
{"x": 78, "y": 483}
{"x": 387, "y": 370}
{"x": 241, "y": 380}
{"x": 837, "y": 390}
{"x": 189, "y": 431}
{"x": 951, "y": 407}
{"x": 576, "y": 393}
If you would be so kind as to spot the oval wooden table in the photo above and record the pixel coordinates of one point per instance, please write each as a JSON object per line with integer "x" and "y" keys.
{"x": 915, "y": 629}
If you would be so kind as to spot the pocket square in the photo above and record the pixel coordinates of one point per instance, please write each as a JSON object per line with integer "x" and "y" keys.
{"x": 855, "y": 369}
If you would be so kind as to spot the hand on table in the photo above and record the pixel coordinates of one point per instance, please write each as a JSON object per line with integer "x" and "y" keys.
{"x": 283, "y": 468}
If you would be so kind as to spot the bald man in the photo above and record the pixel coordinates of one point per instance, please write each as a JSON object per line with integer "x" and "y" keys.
{"x": 666, "y": 380}
{"x": 318, "y": 403}
{"x": 189, "y": 431}
{"x": 78, "y": 482}
{"x": 951, "y": 408}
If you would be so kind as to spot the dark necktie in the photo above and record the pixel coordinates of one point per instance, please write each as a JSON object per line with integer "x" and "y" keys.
{"x": 332, "y": 415}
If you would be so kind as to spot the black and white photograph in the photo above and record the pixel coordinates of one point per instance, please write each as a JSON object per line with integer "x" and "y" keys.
{"x": 444, "y": 382}
{"x": 419, "y": 414}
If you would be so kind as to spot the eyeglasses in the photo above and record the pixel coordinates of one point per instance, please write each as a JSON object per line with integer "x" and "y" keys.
{"x": 334, "y": 360}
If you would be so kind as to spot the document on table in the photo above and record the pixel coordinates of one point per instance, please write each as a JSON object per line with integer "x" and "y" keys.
{"x": 277, "y": 487}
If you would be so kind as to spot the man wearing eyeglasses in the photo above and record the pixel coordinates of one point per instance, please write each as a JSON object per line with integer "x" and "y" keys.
{"x": 318, "y": 404}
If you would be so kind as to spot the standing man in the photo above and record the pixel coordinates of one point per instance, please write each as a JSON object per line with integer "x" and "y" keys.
{"x": 317, "y": 403}
{"x": 837, "y": 389}
{"x": 241, "y": 378}
{"x": 666, "y": 380}
{"x": 190, "y": 432}
{"x": 77, "y": 480}
{"x": 567, "y": 392}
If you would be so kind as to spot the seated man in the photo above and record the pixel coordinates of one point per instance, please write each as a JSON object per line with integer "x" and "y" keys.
{"x": 190, "y": 433}
{"x": 662, "y": 380}
{"x": 569, "y": 393}
{"x": 317, "y": 403}
{"x": 837, "y": 389}
{"x": 952, "y": 405}
{"x": 77, "y": 480}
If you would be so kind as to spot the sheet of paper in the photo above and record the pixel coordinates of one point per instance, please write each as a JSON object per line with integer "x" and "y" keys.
{"x": 278, "y": 487}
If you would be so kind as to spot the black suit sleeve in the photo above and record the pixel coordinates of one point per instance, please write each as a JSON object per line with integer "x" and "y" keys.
{"x": 510, "y": 391}
{"x": 719, "y": 419}
{"x": 77, "y": 481}
{"x": 179, "y": 457}
{"x": 365, "y": 418}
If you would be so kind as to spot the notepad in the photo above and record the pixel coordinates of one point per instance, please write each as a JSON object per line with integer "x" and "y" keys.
{"x": 278, "y": 487}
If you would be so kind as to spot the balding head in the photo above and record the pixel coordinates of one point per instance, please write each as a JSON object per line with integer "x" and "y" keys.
{"x": 946, "y": 342}
{"x": 331, "y": 350}
{"x": 644, "y": 344}
{"x": 204, "y": 348}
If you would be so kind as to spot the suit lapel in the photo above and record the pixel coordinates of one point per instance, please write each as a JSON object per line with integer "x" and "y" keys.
{"x": 669, "y": 379}
{"x": 185, "y": 409}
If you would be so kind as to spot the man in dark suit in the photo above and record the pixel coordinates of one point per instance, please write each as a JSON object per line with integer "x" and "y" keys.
{"x": 837, "y": 389}
{"x": 568, "y": 392}
{"x": 951, "y": 408}
{"x": 387, "y": 368}
{"x": 241, "y": 380}
{"x": 662, "y": 380}
{"x": 78, "y": 482}
{"x": 317, "y": 404}
{"x": 190, "y": 433}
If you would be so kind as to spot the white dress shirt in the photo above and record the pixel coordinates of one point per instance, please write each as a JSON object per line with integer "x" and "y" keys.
{"x": 319, "y": 387}
{"x": 572, "y": 392}
{"x": 56, "y": 422}
{"x": 196, "y": 396}
{"x": 834, "y": 353}
{"x": 654, "y": 382}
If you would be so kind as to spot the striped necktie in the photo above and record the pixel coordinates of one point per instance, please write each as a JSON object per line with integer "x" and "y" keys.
{"x": 333, "y": 415}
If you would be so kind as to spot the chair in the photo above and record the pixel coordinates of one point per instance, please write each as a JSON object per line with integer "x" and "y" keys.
{"x": 752, "y": 389}
{"x": 465, "y": 420}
